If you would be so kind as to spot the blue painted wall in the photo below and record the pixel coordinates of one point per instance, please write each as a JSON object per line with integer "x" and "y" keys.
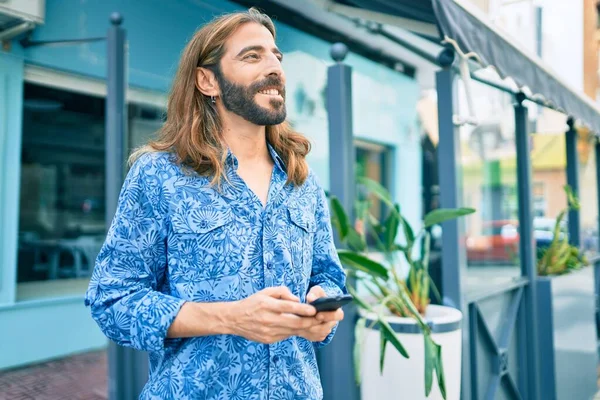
{"x": 34, "y": 331}
{"x": 384, "y": 111}
{"x": 11, "y": 103}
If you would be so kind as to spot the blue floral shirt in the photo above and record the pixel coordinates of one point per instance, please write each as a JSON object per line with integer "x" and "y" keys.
{"x": 175, "y": 238}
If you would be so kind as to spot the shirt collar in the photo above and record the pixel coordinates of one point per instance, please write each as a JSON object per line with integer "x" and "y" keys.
{"x": 232, "y": 159}
{"x": 278, "y": 161}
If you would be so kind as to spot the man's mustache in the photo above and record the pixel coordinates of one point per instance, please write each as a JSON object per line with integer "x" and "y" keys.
{"x": 268, "y": 83}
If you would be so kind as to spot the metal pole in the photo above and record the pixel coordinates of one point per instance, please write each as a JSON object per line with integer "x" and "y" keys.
{"x": 448, "y": 153}
{"x": 335, "y": 360}
{"x": 597, "y": 154}
{"x": 127, "y": 368}
{"x": 528, "y": 336}
{"x": 573, "y": 181}
{"x": 597, "y": 264}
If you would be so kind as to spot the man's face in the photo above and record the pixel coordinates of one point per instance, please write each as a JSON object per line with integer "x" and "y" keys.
{"x": 250, "y": 76}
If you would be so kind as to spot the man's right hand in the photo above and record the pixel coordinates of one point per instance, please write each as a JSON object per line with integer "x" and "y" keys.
{"x": 271, "y": 315}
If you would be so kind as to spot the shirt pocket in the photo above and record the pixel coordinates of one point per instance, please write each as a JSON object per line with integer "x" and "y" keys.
{"x": 302, "y": 230}
{"x": 204, "y": 243}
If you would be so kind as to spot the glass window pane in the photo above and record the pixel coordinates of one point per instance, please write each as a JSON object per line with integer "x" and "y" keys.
{"x": 588, "y": 191}
{"x": 548, "y": 171}
{"x": 489, "y": 184}
{"x": 373, "y": 161}
{"x": 144, "y": 124}
{"x": 61, "y": 215}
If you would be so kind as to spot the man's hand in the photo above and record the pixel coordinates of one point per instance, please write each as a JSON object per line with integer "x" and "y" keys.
{"x": 328, "y": 319}
{"x": 271, "y": 315}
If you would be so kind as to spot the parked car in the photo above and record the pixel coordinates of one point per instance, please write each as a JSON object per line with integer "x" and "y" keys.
{"x": 499, "y": 241}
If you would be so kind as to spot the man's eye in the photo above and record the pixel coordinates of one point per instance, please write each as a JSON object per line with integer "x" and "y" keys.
{"x": 252, "y": 56}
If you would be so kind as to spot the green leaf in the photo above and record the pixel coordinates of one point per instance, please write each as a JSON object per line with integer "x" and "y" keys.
{"x": 390, "y": 335}
{"x": 408, "y": 233}
{"x": 572, "y": 200}
{"x": 374, "y": 223}
{"x": 429, "y": 364}
{"x": 433, "y": 363}
{"x": 362, "y": 209}
{"x": 359, "y": 331}
{"x": 377, "y": 190}
{"x": 339, "y": 217}
{"x": 398, "y": 247}
{"x": 372, "y": 291}
{"x": 441, "y": 376}
{"x": 355, "y": 241}
{"x": 434, "y": 289}
{"x": 425, "y": 247}
{"x": 358, "y": 300}
{"x": 383, "y": 342}
{"x": 413, "y": 310}
{"x": 391, "y": 228}
{"x": 443, "y": 214}
{"x": 362, "y": 263}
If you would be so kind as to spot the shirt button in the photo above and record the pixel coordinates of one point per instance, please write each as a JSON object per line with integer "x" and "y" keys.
{"x": 269, "y": 265}
{"x": 275, "y": 358}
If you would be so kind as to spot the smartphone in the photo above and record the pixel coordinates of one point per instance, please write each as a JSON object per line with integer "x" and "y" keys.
{"x": 331, "y": 303}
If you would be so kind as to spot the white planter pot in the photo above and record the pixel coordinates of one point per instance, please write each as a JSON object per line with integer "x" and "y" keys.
{"x": 405, "y": 378}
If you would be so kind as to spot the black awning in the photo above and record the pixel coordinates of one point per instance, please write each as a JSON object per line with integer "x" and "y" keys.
{"x": 473, "y": 33}
{"x": 419, "y": 10}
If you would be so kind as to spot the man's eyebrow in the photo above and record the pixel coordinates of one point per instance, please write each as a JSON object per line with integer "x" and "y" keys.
{"x": 258, "y": 48}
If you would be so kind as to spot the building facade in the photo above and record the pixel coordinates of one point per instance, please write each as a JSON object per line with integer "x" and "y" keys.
{"x": 591, "y": 43}
{"x": 52, "y": 110}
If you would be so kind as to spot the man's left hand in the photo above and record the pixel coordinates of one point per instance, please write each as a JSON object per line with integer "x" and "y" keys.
{"x": 328, "y": 318}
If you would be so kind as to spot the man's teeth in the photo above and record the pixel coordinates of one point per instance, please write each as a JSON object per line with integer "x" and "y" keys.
{"x": 270, "y": 91}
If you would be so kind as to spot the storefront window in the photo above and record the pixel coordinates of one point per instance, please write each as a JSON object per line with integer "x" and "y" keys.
{"x": 61, "y": 220}
{"x": 62, "y": 211}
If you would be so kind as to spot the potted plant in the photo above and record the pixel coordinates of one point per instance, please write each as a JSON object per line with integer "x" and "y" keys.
{"x": 391, "y": 287}
{"x": 566, "y": 315}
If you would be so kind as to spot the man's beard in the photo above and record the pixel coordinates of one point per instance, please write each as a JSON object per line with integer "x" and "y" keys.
{"x": 240, "y": 100}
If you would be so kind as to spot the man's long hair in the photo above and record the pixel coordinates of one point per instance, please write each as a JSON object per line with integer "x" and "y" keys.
{"x": 193, "y": 128}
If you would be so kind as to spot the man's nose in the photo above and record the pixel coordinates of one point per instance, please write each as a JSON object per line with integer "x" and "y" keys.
{"x": 274, "y": 68}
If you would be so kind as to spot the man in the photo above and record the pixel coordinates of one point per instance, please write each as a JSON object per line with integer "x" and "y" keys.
{"x": 222, "y": 234}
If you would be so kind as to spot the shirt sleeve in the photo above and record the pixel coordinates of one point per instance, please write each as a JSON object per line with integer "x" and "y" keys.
{"x": 123, "y": 292}
{"x": 327, "y": 271}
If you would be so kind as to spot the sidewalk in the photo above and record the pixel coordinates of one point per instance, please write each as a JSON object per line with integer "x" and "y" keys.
{"x": 80, "y": 377}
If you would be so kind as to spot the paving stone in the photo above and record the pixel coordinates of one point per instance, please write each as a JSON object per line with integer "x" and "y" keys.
{"x": 83, "y": 376}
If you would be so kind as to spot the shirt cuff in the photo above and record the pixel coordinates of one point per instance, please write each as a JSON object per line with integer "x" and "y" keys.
{"x": 153, "y": 316}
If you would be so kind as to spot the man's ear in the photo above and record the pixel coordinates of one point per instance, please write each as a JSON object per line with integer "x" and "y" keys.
{"x": 206, "y": 82}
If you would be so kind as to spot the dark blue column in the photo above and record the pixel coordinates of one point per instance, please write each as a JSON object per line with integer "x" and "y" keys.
{"x": 453, "y": 257}
{"x": 527, "y": 329}
{"x": 115, "y": 114}
{"x": 127, "y": 368}
{"x": 336, "y": 363}
{"x": 597, "y": 150}
{"x": 597, "y": 264}
{"x": 448, "y": 155}
{"x": 573, "y": 181}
